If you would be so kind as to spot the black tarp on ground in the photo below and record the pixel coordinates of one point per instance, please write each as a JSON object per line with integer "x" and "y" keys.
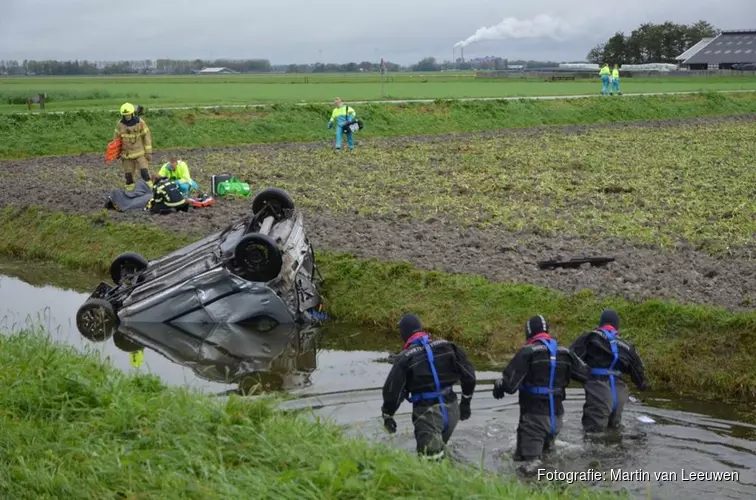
{"x": 127, "y": 201}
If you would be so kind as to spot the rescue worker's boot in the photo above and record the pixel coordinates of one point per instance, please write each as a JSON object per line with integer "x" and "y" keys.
{"x": 145, "y": 176}
{"x": 129, "y": 182}
{"x": 430, "y": 436}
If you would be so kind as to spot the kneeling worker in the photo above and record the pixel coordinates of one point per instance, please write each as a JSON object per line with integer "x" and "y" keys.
{"x": 541, "y": 370}
{"x": 608, "y": 358}
{"x": 424, "y": 373}
{"x": 177, "y": 171}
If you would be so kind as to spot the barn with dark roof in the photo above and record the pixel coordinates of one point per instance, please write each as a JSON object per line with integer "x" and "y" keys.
{"x": 728, "y": 49}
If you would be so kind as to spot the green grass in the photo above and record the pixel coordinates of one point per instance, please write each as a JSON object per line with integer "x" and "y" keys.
{"x": 698, "y": 350}
{"x": 73, "y": 427}
{"x": 89, "y": 131}
{"x": 70, "y": 93}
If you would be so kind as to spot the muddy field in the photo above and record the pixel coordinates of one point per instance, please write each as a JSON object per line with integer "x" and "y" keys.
{"x": 80, "y": 184}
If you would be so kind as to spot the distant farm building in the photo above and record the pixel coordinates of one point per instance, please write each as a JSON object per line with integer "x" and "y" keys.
{"x": 216, "y": 71}
{"x": 728, "y": 50}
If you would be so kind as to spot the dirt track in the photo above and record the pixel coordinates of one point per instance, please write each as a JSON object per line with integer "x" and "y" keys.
{"x": 80, "y": 184}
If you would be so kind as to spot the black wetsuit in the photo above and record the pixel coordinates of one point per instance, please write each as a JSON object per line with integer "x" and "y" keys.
{"x": 531, "y": 367}
{"x": 595, "y": 350}
{"x": 411, "y": 374}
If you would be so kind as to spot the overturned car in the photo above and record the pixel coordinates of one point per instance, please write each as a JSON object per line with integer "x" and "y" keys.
{"x": 255, "y": 357}
{"x": 261, "y": 267}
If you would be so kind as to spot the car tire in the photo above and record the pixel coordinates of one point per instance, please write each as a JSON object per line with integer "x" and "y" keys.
{"x": 126, "y": 263}
{"x": 125, "y": 344}
{"x": 258, "y": 258}
{"x": 96, "y": 320}
{"x": 277, "y": 199}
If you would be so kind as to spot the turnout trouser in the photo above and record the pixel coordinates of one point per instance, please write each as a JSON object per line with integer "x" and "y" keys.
{"x": 597, "y": 409}
{"x": 130, "y": 167}
{"x": 534, "y": 436}
{"x": 430, "y": 436}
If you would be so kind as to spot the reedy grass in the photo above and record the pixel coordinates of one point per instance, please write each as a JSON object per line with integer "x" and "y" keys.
{"x": 73, "y": 427}
{"x": 27, "y": 135}
{"x": 697, "y": 350}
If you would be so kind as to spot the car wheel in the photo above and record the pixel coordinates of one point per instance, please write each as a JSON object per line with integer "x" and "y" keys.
{"x": 96, "y": 320}
{"x": 277, "y": 200}
{"x": 125, "y": 265}
{"x": 258, "y": 257}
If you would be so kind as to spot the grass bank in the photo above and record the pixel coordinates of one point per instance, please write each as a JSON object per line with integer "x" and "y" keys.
{"x": 109, "y": 92}
{"x": 74, "y": 427}
{"x": 687, "y": 349}
{"x": 90, "y": 131}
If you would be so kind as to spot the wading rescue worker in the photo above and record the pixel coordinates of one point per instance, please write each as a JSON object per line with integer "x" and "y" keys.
{"x": 177, "y": 171}
{"x": 341, "y": 115}
{"x": 541, "y": 370}
{"x": 136, "y": 148}
{"x": 608, "y": 357}
{"x": 424, "y": 373}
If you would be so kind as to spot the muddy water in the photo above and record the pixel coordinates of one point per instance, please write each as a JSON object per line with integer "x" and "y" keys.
{"x": 338, "y": 372}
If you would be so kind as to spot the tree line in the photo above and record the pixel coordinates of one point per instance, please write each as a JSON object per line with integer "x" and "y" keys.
{"x": 187, "y": 67}
{"x": 651, "y": 43}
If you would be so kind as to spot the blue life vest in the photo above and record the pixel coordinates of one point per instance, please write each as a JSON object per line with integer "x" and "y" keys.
{"x": 611, "y": 371}
{"x": 437, "y": 394}
{"x": 551, "y": 344}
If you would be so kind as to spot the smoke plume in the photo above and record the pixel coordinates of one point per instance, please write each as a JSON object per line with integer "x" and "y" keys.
{"x": 541, "y": 26}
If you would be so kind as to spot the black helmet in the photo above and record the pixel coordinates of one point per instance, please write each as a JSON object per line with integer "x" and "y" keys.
{"x": 536, "y": 325}
{"x": 609, "y": 317}
{"x": 408, "y": 325}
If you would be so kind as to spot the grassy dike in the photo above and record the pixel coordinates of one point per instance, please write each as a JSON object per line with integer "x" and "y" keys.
{"x": 29, "y": 135}
{"x": 73, "y": 427}
{"x": 702, "y": 351}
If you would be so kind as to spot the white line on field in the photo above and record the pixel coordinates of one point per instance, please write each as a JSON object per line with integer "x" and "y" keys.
{"x": 406, "y": 101}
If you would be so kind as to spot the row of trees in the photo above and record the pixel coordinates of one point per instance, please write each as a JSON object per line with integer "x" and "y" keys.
{"x": 651, "y": 43}
{"x": 185, "y": 67}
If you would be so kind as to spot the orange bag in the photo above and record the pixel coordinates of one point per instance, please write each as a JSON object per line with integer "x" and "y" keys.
{"x": 113, "y": 151}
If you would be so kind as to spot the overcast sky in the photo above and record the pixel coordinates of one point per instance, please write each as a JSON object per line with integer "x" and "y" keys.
{"x": 302, "y": 31}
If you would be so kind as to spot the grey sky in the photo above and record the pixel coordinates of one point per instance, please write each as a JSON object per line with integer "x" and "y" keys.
{"x": 302, "y": 31}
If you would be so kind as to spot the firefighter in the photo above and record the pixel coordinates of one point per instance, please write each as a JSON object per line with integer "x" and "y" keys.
{"x": 136, "y": 147}
{"x": 341, "y": 115}
{"x": 608, "y": 358}
{"x": 424, "y": 373}
{"x": 541, "y": 370}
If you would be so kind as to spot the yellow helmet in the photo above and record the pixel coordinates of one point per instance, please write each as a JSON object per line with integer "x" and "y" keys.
{"x": 127, "y": 109}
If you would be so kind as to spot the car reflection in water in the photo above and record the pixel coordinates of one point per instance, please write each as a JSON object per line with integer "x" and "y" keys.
{"x": 258, "y": 357}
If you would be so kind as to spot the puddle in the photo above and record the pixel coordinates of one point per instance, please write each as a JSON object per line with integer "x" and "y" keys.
{"x": 338, "y": 372}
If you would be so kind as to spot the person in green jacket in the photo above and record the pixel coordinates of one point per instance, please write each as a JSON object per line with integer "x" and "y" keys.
{"x": 177, "y": 171}
{"x": 615, "y": 81}
{"x": 604, "y": 73}
{"x": 341, "y": 115}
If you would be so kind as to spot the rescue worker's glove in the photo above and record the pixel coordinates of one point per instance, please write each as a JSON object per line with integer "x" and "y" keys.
{"x": 498, "y": 390}
{"x": 330, "y": 125}
{"x": 148, "y": 156}
{"x": 389, "y": 423}
{"x": 464, "y": 408}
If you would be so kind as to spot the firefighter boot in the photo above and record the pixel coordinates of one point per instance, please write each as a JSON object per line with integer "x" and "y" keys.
{"x": 129, "y": 182}
{"x": 145, "y": 176}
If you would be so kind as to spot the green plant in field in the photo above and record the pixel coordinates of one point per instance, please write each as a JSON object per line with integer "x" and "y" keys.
{"x": 687, "y": 349}
{"x": 74, "y": 427}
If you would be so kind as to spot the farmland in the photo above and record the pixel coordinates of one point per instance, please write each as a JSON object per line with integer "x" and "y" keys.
{"x": 109, "y": 92}
{"x": 472, "y": 213}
